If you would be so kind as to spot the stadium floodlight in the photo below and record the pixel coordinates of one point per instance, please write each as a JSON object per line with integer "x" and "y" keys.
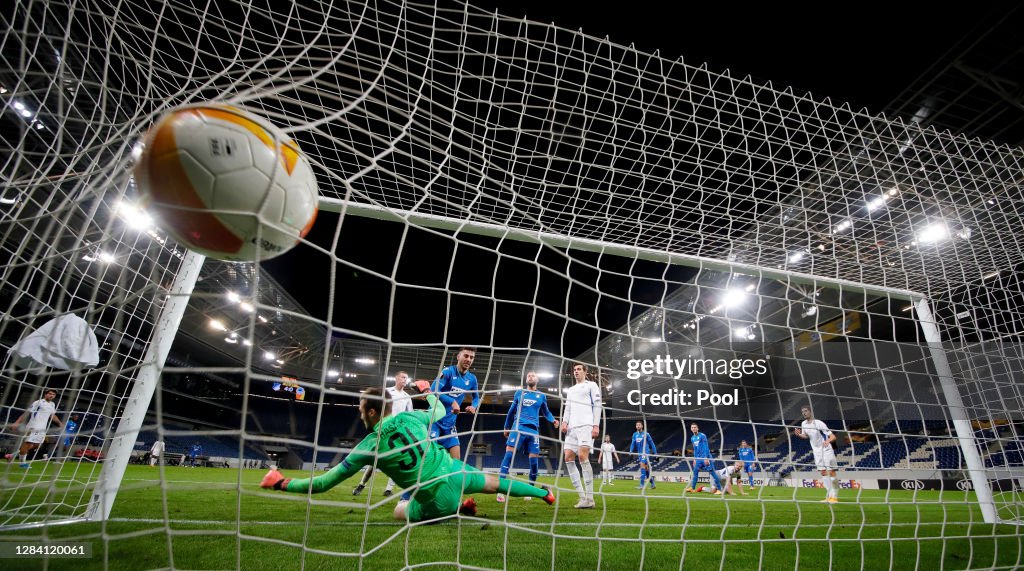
{"x": 733, "y": 298}
{"x": 246, "y": 306}
{"x": 217, "y": 325}
{"x": 797, "y": 256}
{"x": 934, "y": 232}
{"x": 545, "y": 375}
{"x": 135, "y": 217}
{"x": 842, "y": 226}
{"x": 107, "y": 257}
{"x": 876, "y": 203}
{"x": 269, "y": 356}
{"x": 233, "y": 297}
{"x": 364, "y": 361}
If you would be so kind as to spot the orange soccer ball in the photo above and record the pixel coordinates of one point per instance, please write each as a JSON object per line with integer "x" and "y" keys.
{"x": 226, "y": 183}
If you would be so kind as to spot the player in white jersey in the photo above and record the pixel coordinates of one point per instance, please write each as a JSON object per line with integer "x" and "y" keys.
{"x": 40, "y": 414}
{"x": 155, "y": 452}
{"x": 607, "y": 457}
{"x": 732, "y": 472}
{"x": 824, "y": 456}
{"x": 401, "y": 402}
{"x": 581, "y": 423}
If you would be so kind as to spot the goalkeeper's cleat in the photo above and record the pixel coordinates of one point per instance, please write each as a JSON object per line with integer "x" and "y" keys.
{"x": 689, "y": 490}
{"x": 358, "y": 490}
{"x": 718, "y": 492}
{"x": 550, "y": 498}
{"x": 468, "y": 507}
{"x": 388, "y": 492}
{"x": 501, "y": 498}
{"x": 274, "y": 480}
{"x": 825, "y": 501}
{"x": 833, "y": 500}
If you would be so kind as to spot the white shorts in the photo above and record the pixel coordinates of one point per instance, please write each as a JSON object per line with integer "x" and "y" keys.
{"x": 578, "y": 437}
{"x": 607, "y": 466}
{"x": 825, "y": 459}
{"x": 36, "y": 436}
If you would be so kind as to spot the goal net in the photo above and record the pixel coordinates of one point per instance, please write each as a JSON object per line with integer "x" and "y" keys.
{"x": 731, "y": 262}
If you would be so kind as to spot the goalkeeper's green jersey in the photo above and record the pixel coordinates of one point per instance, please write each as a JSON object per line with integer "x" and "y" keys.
{"x": 401, "y": 446}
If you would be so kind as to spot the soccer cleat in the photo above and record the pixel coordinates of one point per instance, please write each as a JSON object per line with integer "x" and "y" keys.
{"x": 833, "y": 500}
{"x": 584, "y": 503}
{"x": 468, "y": 507}
{"x": 591, "y": 503}
{"x": 528, "y": 498}
{"x": 718, "y": 492}
{"x": 358, "y": 490}
{"x": 653, "y": 487}
{"x": 640, "y": 487}
{"x": 550, "y": 498}
{"x": 500, "y": 498}
{"x": 825, "y": 501}
{"x": 274, "y": 480}
{"x": 689, "y": 490}
{"x": 23, "y": 465}
{"x": 388, "y": 492}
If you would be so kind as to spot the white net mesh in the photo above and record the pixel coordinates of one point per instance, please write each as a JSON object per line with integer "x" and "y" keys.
{"x": 547, "y": 197}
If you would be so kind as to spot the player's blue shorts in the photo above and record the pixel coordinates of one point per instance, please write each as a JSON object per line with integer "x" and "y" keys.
{"x": 524, "y": 437}
{"x": 446, "y": 437}
{"x": 698, "y": 465}
{"x": 748, "y": 467}
{"x": 645, "y": 460}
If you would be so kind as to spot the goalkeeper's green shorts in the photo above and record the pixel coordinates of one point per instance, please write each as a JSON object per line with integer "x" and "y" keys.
{"x": 442, "y": 498}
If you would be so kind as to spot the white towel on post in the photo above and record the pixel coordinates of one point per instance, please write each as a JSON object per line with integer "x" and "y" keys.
{"x": 65, "y": 342}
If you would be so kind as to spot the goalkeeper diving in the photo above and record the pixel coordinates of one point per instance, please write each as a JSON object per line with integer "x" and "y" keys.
{"x": 400, "y": 447}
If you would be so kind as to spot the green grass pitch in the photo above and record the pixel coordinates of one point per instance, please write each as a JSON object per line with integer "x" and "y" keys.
{"x": 208, "y": 518}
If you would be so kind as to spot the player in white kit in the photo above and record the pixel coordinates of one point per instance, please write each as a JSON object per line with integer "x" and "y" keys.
{"x": 40, "y": 414}
{"x": 400, "y": 402}
{"x": 824, "y": 455}
{"x": 607, "y": 457}
{"x": 581, "y": 423}
{"x": 732, "y": 472}
{"x": 155, "y": 452}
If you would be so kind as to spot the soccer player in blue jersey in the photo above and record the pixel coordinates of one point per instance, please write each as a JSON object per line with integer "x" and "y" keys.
{"x": 194, "y": 453}
{"x": 746, "y": 454}
{"x": 451, "y": 388}
{"x": 70, "y": 433}
{"x": 522, "y": 424}
{"x": 642, "y": 444}
{"x": 702, "y": 460}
